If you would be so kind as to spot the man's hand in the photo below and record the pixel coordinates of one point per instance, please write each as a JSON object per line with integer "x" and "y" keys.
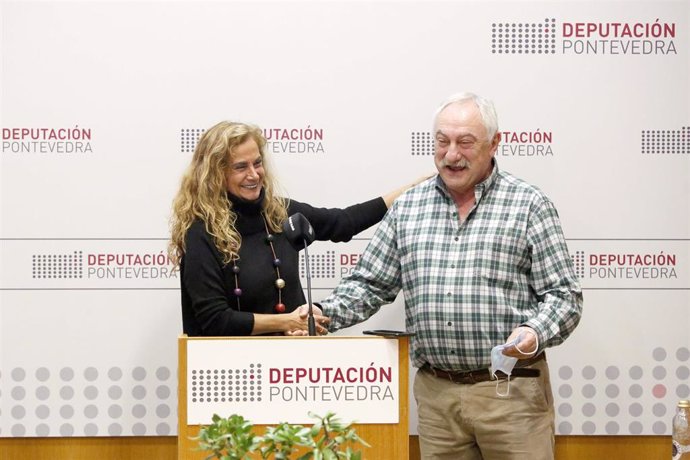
{"x": 320, "y": 321}
{"x": 526, "y": 346}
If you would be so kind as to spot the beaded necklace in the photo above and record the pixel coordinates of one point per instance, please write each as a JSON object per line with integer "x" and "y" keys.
{"x": 279, "y": 283}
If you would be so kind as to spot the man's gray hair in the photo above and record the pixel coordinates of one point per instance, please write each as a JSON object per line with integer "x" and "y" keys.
{"x": 486, "y": 110}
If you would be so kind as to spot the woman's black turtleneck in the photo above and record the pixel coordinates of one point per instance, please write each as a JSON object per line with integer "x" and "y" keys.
{"x": 209, "y": 306}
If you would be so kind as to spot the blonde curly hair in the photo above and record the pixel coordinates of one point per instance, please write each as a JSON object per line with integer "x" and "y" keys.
{"x": 203, "y": 192}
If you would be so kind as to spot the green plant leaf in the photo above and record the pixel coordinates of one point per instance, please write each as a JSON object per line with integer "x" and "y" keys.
{"x": 232, "y": 438}
{"x": 306, "y": 456}
{"x": 328, "y": 454}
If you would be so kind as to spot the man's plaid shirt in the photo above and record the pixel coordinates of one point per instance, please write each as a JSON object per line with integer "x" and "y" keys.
{"x": 466, "y": 285}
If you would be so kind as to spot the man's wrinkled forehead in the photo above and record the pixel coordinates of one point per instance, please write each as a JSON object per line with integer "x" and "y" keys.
{"x": 460, "y": 119}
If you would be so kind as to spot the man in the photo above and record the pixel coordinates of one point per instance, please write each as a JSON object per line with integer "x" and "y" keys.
{"x": 483, "y": 263}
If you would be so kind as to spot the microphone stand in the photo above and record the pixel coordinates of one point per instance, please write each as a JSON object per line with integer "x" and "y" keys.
{"x": 310, "y": 315}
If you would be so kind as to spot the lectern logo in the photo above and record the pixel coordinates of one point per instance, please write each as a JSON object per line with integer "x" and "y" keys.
{"x": 227, "y": 385}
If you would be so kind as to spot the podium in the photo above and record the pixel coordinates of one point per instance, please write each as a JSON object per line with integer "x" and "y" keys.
{"x": 269, "y": 380}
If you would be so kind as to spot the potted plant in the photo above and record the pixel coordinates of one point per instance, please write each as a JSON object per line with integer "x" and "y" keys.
{"x": 233, "y": 438}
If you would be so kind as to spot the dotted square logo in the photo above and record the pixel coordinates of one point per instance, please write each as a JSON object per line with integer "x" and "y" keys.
{"x": 57, "y": 266}
{"x": 321, "y": 265}
{"x": 189, "y": 138}
{"x": 226, "y": 385}
{"x": 421, "y": 143}
{"x": 666, "y": 142}
{"x": 524, "y": 38}
{"x": 579, "y": 263}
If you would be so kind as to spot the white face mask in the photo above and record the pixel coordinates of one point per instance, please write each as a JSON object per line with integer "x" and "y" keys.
{"x": 503, "y": 363}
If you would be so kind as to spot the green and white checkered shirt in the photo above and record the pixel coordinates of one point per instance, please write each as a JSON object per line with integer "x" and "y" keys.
{"x": 466, "y": 285}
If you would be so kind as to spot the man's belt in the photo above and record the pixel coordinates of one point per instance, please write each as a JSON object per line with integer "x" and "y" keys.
{"x": 484, "y": 375}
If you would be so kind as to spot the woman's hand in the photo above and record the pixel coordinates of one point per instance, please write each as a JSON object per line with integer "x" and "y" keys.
{"x": 390, "y": 197}
{"x": 300, "y": 325}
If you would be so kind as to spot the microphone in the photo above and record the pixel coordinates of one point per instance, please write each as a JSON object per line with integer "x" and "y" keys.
{"x": 298, "y": 231}
{"x": 300, "y": 234}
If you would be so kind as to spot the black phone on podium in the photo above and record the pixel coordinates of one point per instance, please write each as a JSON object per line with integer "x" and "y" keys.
{"x": 388, "y": 333}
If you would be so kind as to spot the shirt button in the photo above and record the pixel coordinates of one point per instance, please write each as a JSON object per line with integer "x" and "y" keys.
{"x": 456, "y": 238}
{"x": 450, "y": 323}
{"x": 449, "y": 294}
{"x": 452, "y": 266}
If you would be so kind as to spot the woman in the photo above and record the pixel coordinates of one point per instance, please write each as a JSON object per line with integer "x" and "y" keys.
{"x": 238, "y": 273}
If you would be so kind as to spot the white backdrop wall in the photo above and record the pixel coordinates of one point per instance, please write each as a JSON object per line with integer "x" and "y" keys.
{"x": 102, "y": 103}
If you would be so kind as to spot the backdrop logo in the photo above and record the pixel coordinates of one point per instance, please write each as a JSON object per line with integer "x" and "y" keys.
{"x": 625, "y": 265}
{"x": 294, "y": 140}
{"x": 329, "y": 265}
{"x": 329, "y": 262}
{"x": 278, "y": 140}
{"x": 421, "y": 143}
{"x": 320, "y": 265}
{"x": 526, "y": 144}
{"x": 189, "y": 138}
{"x": 534, "y": 143}
{"x": 58, "y": 141}
{"x": 227, "y": 385}
{"x": 666, "y": 142}
{"x": 524, "y": 38}
{"x": 619, "y": 38}
{"x": 579, "y": 263}
{"x": 57, "y": 266}
{"x": 129, "y": 266}
{"x": 102, "y": 266}
{"x": 597, "y": 38}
